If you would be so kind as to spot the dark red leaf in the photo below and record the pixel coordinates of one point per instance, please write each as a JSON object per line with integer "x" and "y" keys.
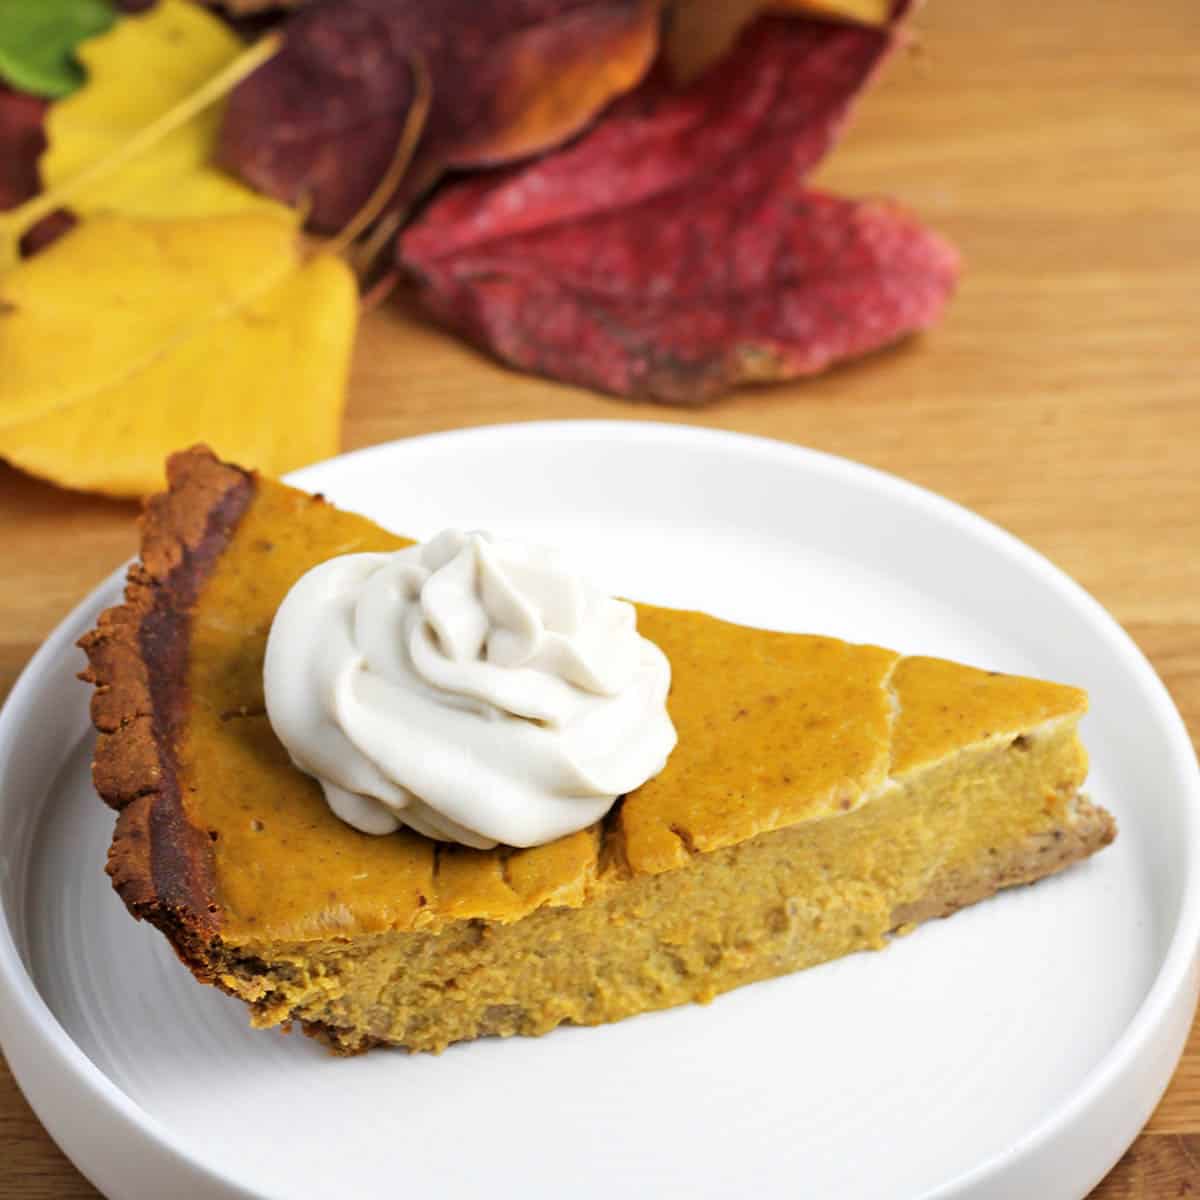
{"x": 249, "y": 8}
{"x": 320, "y": 122}
{"x": 22, "y": 140}
{"x": 49, "y": 229}
{"x": 673, "y": 250}
{"x": 250, "y": 19}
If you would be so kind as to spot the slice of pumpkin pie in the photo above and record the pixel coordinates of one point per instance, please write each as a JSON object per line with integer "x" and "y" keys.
{"x": 820, "y": 797}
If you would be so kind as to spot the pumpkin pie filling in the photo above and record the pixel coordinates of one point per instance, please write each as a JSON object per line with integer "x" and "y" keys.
{"x": 821, "y": 796}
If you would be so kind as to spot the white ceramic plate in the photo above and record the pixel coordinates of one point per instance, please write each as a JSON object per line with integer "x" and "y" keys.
{"x": 1014, "y": 1050}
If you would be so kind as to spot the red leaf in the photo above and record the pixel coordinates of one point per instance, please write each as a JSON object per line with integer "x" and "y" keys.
{"x": 21, "y": 142}
{"x": 320, "y": 121}
{"x": 49, "y": 229}
{"x": 673, "y": 250}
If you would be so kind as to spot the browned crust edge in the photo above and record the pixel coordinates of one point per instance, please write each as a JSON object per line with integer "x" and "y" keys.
{"x": 160, "y": 864}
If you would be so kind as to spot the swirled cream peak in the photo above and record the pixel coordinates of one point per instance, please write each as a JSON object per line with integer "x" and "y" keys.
{"x": 471, "y": 689}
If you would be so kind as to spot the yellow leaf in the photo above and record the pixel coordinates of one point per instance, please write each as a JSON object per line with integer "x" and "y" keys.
{"x": 127, "y": 339}
{"x": 701, "y": 31}
{"x": 141, "y": 68}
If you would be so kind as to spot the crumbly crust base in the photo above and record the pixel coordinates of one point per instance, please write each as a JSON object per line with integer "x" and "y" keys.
{"x": 1084, "y": 830}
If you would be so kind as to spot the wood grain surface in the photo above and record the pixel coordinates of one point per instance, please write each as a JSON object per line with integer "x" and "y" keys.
{"x": 1059, "y": 145}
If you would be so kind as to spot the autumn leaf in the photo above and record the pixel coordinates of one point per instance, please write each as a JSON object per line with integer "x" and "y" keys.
{"x": 699, "y": 32}
{"x": 21, "y": 141}
{"x": 129, "y": 338}
{"x": 247, "y": 8}
{"x": 630, "y": 263}
{"x": 865, "y": 12}
{"x": 38, "y": 40}
{"x": 140, "y": 142}
{"x": 318, "y": 123}
{"x": 779, "y": 101}
{"x": 137, "y": 71}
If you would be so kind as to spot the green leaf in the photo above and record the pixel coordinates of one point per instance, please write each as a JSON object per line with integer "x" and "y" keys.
{"x": 38, "y": 40}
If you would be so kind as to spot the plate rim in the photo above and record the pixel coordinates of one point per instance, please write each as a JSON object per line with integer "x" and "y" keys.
{"x": 30, "y": 1017}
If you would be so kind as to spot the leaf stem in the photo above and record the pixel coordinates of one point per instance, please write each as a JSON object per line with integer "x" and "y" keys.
{"x": 385, "y": 189}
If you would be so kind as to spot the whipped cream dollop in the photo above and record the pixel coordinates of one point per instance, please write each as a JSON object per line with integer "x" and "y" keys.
{"x": 469, "y": 688}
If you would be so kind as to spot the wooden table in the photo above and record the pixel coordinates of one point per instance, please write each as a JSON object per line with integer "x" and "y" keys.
{"x": 1059, "y": 145}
